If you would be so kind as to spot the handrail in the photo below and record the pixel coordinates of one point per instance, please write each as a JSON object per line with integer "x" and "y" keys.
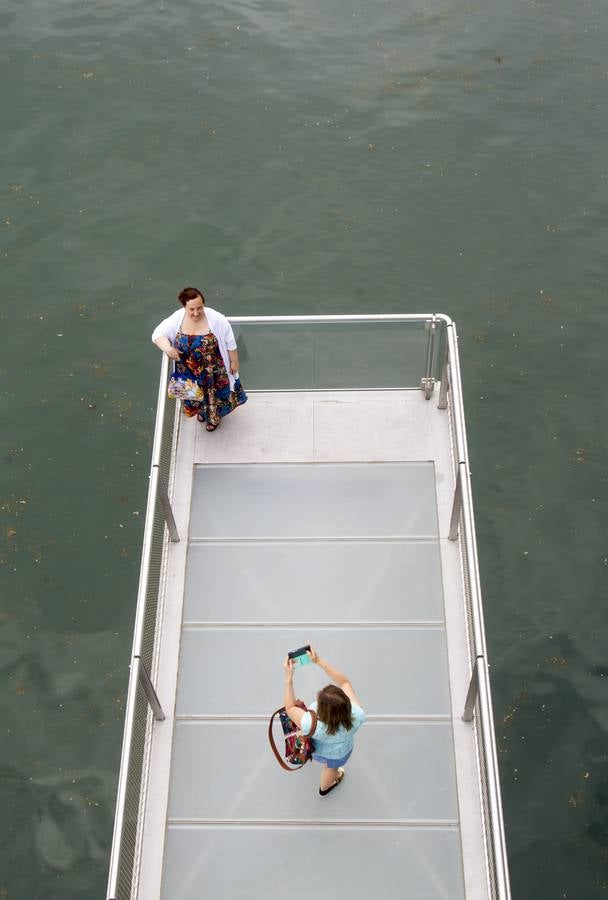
{"x": 144, "y": 571}
{"x": 140, "y": 683}
{"x": 339, "y": 320}
{"x": 480, "y": 676}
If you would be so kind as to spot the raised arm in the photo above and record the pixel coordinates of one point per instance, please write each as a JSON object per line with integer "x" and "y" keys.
{"x": 337, "y": 677}
{"x": 289, "y": 699}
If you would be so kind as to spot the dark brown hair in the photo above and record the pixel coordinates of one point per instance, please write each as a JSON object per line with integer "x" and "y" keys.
{"x": 334, "y": 709}
{"x": 189, "y": 293}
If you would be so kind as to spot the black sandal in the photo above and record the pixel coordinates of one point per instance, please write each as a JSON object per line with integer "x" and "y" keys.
{"x": 210, "y": 427}
{"x": 340, "y": 771}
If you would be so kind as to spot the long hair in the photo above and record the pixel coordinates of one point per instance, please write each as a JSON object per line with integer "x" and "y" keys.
{"x": 334, "y": 709}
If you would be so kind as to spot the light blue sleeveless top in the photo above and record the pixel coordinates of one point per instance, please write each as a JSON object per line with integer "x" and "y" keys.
{"x": 333, "y": 746}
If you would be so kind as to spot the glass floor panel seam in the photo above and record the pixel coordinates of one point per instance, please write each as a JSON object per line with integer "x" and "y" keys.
{"x": 262, "y": 620}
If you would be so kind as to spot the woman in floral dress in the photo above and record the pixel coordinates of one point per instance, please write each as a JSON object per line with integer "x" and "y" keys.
{"x": 201, "y": 342}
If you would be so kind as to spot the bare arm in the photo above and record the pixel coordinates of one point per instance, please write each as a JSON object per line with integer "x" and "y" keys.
{"x": 337, "y": 677}
{"x": 234, "y": 361}
{"x": 289, "y": 700}
{"x": 167, "y": 347}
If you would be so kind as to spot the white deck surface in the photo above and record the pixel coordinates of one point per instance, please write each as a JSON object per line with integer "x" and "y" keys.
{"x": 350, "y": 554}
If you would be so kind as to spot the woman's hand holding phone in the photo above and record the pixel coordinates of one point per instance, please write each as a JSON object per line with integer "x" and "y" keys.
{"x": 288, "y": 666}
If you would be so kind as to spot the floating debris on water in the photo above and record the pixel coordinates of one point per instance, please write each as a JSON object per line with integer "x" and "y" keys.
{"x": 557, "y": 661}
{"x": 576, "y": 799}
{"x": 520, "y": 699}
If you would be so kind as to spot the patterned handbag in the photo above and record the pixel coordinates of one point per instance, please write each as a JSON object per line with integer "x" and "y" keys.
{"x": 298, "y": 747}
{"x": 182, "y": 387}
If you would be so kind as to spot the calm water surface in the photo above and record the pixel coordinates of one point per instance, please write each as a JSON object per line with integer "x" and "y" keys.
{"x": 296, "y": 158}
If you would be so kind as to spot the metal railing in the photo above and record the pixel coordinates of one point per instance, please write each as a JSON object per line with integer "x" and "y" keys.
{"x": 142, "y": 705}
{"x": 479, "y": 699}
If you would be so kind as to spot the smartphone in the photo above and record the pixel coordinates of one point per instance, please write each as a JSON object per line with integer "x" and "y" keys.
{"x": 300, "y": 656}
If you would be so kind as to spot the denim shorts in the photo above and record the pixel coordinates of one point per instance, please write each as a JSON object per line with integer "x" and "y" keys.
{"x": 332, "y": 763}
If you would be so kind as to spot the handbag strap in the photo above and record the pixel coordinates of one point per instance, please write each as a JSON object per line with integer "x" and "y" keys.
{"x": 313, "y": 716}
{"x": 273, "y": 745}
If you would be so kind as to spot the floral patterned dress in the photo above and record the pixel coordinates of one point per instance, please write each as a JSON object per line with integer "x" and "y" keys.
{"x": 201, "y": 359}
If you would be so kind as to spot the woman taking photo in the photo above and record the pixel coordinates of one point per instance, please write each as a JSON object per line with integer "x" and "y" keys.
{"x": 339, "y": 716}
{"x": 201, "y": 343}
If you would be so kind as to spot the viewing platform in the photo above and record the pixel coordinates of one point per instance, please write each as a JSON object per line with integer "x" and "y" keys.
{"x": 335, "y": 512}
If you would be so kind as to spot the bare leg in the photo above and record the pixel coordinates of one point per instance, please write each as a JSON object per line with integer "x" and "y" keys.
{"x": 328, "y": 777}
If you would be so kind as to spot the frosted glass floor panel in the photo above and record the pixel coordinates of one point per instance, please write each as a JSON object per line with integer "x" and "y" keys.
{"x": 414, "y": 782}
{"x": 314, "y": 501}
{"x": 239, "y": 671}
{"x": 315, "y": 582}
{"x": 274, "y": 864}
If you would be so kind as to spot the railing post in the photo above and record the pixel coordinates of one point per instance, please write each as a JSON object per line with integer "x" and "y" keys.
{"x": 456, "y": 505}
{"x": 443, "y": 390}
{"x": 166, "y": 505}
{"x": 473, "y": 691}
{"x": 427, "y": 382}
{"x": 146, "y": 683}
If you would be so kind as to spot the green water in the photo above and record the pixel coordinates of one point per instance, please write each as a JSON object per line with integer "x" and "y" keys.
{"x": 300, "y": 158}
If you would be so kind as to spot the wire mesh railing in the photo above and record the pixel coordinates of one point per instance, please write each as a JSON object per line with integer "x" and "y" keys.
{"x": 142, "y": 706}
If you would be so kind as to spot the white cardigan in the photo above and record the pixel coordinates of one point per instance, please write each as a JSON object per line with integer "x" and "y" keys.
{"x": 219, "y": 325}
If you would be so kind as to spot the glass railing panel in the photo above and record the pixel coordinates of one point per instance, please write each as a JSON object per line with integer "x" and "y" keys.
{"x": 334, "y": 356}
